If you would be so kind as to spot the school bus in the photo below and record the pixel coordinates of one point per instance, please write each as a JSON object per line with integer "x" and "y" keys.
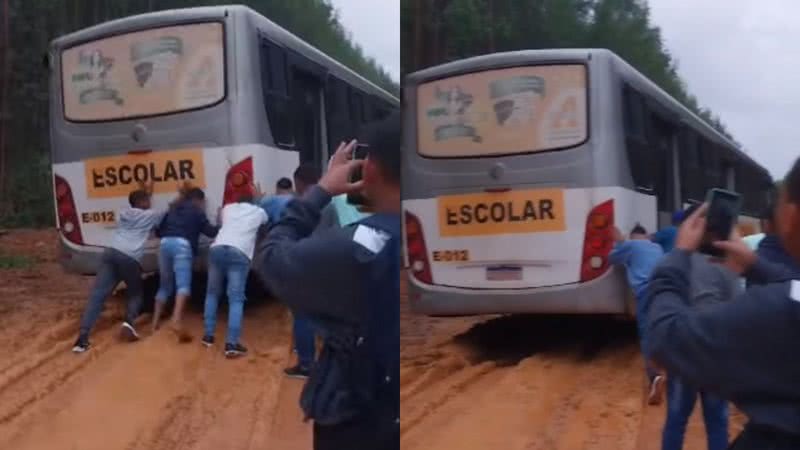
{"x": 219, "y": 97}
{"x": 517, "y": 166}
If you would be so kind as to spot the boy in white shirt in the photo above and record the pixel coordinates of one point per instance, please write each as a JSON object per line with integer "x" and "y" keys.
{"x": 229, "y": 259}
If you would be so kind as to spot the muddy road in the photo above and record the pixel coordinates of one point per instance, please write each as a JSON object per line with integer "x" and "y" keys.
{"x": 525, "y": 383}
{"x": 151, "y": 395}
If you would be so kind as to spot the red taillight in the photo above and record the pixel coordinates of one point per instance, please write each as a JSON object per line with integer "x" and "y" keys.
{"x": 416, "y": 250}
{"x": 67, "y": 214}
{"x": 238, "y": 181}
{"x": 598, "y": 241}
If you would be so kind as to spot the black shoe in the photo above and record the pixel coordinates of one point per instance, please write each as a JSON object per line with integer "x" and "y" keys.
{"x": 128, "y": 333}
{"x": 234, "y": 350}
{"x": 208, "y": 341}
{"x": 298, "y": 371}
{"x": 81, "y": 345}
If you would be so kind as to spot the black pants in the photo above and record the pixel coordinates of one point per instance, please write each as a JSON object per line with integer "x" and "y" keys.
{"x": 756, "y": 437}
{"x": 116, "y": 266}
{"x": 370, "y": 432}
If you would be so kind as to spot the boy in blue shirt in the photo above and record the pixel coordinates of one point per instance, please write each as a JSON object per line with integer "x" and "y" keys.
{"x": 640, "y": 256}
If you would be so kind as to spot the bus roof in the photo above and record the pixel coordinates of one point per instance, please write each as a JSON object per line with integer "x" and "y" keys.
{"x": 508, "y": 59}
{"x": 188, "y": 15}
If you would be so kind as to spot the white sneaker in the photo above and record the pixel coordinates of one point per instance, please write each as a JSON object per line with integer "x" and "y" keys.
{"x": 128, "y": 333}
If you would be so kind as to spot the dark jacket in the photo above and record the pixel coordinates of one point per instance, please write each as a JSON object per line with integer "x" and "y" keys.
{"x": 744, "y": 350}
{"x": 187, "y": 221}
{"x": 347, "y": 281}
{"x": 771, "y": 249}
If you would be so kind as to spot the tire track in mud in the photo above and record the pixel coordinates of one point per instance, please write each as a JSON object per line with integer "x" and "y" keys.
{"x": 551, "y": 383}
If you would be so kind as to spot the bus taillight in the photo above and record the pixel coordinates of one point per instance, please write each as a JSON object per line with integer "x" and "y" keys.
{"x": 598, "y": 241}
{"x": 416, "y": 250}
{"x": 238, "y": 181}
{"x": 67, "y": 214}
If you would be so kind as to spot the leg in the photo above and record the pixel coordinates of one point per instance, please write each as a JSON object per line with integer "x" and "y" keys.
{"x": 715, "y": 415}
{"x": 183, "y": 283}
{"x": 104, "y": 283}
{"x": 680, "y": 403}
{"x": 131, "y": 274}
{"x": 303, "y": 340}
{"x": 213, "y": 291}
{"x": 166, "y": 280}
{"x": 238, "y": 269}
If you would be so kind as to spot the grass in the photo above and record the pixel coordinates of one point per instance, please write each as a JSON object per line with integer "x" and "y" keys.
{"x": 15, "y": 261}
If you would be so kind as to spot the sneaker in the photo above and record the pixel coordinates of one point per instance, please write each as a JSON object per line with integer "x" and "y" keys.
{"x": 298, "y": 371}
{"x": 234, "y": 350}
{"x": 128, "y": 333}
{"x": 207, "y": 340}
{"x": 81, "y": 345}
{"x": 656, "y": 394}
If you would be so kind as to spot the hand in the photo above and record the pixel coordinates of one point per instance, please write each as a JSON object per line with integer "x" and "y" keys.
{"x": 738, "y": 256}
{"x": 147, "y": 187}
{"x": 336, "y": 180}
{"x": 618, "y": 237}
{"x": 690, "y": 233}
{"x": 258, "y": 193}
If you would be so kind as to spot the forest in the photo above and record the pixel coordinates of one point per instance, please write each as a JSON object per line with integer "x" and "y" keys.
{"x": 28, "y": 26}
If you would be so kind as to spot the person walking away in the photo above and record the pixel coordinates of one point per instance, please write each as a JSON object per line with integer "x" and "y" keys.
{"x": 351, "y": 280}
{"x": 665, "y": 237}
{"x": 710, "y": 283}
{"x": 741, "y": 350}
{"x": 229, "y": 262}
{"x": 640, "y": 256}
{"x": 179, "y": 233}
{"x": 121, "y": 262}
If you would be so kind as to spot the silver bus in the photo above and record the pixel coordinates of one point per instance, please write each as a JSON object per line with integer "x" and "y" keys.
{"x": 517, "y": 166}
{"x": 220, "y": 97}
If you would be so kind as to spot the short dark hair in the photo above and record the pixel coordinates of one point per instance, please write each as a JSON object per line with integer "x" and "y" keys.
{"x": 384, "y": 140}
{"x": 195, "y": 194}
{"x": 307, "y": 173}
{"x": 792, "y": 183}
{"x": 137, "y": 196}
{"x": 284, "y": 184}
{"x": 638, "y": 229}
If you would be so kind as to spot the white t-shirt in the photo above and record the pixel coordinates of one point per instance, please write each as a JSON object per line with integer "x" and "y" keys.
{"x": 240, "y": 223}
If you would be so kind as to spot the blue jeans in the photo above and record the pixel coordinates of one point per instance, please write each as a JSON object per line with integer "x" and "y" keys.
{"x": 303, "y": 340}
{"x": 226, "y": 263}
{"x": 641, "y": 325}
{"x": 680, "y": 403}
{"x": 175, "y": 268}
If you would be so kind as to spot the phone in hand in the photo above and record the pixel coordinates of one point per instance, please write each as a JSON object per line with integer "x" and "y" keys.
{"x": 360, "y": 151}
{"x": 721, "y": 217}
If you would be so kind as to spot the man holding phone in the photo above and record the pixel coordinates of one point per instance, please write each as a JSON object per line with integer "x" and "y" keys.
{"x": 743, "y": 350}
{"x": 347, "y": 280}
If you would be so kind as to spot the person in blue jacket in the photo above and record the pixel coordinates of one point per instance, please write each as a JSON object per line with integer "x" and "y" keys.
{"x": 744, "y": 350}
{"x": 665, "y": 237}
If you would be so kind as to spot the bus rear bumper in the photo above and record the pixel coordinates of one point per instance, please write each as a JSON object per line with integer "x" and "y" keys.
{"x": 86, "y": 259}
{"x": 608, "y": 294}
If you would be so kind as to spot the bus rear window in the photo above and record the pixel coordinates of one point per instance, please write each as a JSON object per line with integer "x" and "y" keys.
{"x": 503, "y": 112}
{"x": 145, "y": 73}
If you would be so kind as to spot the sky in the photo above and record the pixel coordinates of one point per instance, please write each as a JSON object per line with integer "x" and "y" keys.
{"x": 375, "y": 26}
{"x": 740, "y": 59}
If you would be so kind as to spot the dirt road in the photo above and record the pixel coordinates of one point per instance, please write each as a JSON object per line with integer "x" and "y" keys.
{"x": 154, "y": 394}
{"x": 524, "y": 383}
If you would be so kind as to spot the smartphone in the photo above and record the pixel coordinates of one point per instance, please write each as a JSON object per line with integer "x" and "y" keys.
{"x": 360, "y": 151}
{"x": 722, "y": 215}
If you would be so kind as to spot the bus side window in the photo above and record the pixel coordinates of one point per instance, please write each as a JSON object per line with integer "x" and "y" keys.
{"x": 337, "y": 113}
{"x": 275, "y": 89}
{"x": 636, "y": 143}
{"x": 692, "y": 188}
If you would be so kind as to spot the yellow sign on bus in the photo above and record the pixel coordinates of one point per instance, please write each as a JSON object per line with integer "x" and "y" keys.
{"x": 527, "y": 211}
{"x": 117, "y": 176}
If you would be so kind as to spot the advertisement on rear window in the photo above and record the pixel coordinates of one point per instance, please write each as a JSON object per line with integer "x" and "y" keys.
{"x": 145, "y": 73}
{"x": 500, "y": 112}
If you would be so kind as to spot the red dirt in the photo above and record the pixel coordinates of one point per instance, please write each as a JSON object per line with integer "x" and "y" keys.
{"x": 154, "y": 394}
